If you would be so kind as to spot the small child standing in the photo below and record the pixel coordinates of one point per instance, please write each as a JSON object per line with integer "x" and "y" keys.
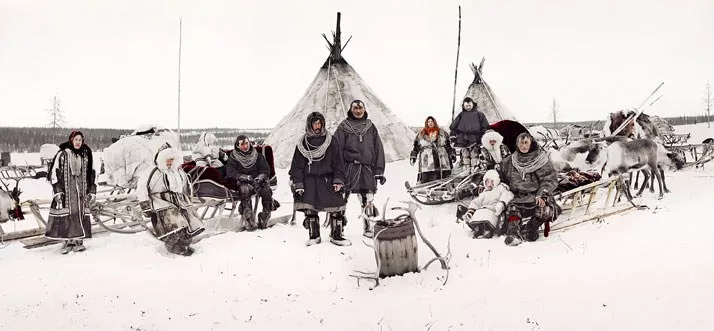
{"x": 484, "y": 210}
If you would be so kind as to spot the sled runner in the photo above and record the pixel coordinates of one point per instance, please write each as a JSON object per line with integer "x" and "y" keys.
{"x": 117, "y": 208}
{"x": 216, "y": 193}
{"x": 462, "y": 184}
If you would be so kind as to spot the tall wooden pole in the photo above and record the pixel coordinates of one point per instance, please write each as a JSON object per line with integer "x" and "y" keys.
{"x": 179, "y": 82}
{"x": 456, "y": 70}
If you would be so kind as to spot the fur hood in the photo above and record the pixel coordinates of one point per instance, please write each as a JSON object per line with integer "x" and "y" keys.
{"x": 492, "y": 175}
{"x": 207, "y": 139}
{"x": 492, "y": 135}
{"x": 165, "y": 154}
{"x": 496, "y": 150}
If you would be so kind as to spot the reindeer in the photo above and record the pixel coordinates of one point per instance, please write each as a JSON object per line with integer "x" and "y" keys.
{"x": 575, "y": 156}
{"x": 623, "y": 156}
{"x": 643, "y": 127}
{"x": 10, "y": 203}
{"x": 665, "y": 159}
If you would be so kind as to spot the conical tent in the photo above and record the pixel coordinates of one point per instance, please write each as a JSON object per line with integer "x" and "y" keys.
{"x": 330, "y": 93}
{"x": 486, "y": 101}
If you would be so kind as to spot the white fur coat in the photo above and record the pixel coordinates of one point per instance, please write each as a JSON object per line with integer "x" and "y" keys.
{"x": 486, "y": 205}
{"x": 206, "y": 152}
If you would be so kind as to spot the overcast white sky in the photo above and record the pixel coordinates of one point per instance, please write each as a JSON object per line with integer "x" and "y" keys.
{"x": 247, "y": 63}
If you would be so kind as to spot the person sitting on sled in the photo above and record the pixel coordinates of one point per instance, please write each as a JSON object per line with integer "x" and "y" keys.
{"x": 206, "y": 153}
{"x": 532, "y": 179}
{"x": 251, "y": 171}
{"x": 434, "y": 153}
{"x": 485, "y": 210}
{"x": 164, "y": 193}
{"x": 492, "y": 153}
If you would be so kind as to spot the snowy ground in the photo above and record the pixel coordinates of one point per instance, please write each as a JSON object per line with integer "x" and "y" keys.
{"x": 698, "y": 131}
{"x": 642, "y": 270}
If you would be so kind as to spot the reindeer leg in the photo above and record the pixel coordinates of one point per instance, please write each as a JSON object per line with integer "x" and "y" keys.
{"x": 660, "y": 179}
{"x": 628, "y": 194}
{"x": 637, "y": 179}
{"x": 664, "y": 181}
{"x": 646, "y": 179}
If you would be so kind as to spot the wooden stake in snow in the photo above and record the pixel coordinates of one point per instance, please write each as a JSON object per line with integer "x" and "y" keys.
{"x": 178, "y": 129}
{"x": 456, "y": 69}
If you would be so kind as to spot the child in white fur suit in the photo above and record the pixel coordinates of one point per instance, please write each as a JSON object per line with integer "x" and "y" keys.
{"x": 206, "y": 153}
{"x": 484, "y": 210}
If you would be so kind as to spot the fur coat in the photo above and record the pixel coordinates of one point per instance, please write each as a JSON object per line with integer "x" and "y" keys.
{"x": 490, "y": 204}
{"x": 432, "y": 150}
{"x": 206, "y": 152}
{"x": 165, "y": 194}
{"x": 73, "y": 178}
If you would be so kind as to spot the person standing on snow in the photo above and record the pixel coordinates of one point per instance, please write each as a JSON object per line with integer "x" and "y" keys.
{"x": 364, "y": 158}
{"x": 73, "y": 183}
{"x": 468, "y": 127}
{"x": 317, "y": 179}
{"x": 434, "y": 152}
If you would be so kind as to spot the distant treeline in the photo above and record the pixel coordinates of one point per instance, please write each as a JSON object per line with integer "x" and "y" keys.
{"x": 21, "y": 140}
{"x": 597, "y": 125}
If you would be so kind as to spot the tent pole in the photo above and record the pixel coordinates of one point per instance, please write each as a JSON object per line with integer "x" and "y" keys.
{"x": 456, "y": 69}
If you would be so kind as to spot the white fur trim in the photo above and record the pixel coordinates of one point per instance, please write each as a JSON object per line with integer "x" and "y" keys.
{"x": 495, "y": 151}
{"x": 492, "y": 175}
{"x": 492, "y": 135}
{"x": 168, "y": 153}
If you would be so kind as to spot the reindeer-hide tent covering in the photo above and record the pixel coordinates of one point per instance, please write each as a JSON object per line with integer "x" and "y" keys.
{"x": 486, "y": 100}
{"x": 334, "y": 87}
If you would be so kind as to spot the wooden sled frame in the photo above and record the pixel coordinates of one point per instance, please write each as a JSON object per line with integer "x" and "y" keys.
{"x": 442, "y": 190}
{"x": 694, "y": 155}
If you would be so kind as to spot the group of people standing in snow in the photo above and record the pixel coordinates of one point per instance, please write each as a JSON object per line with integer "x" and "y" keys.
{"x": 513, "y": 186}
{"x": 326, "y": 169}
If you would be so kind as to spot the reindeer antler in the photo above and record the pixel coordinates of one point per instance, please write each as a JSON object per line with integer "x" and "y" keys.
{"x": 16, "y": 190}
{"x": 548, "y": 138}
{"x": 411, "y": 209}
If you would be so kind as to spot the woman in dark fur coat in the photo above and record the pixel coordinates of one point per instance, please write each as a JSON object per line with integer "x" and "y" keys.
{"x": 73, "y": 185}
